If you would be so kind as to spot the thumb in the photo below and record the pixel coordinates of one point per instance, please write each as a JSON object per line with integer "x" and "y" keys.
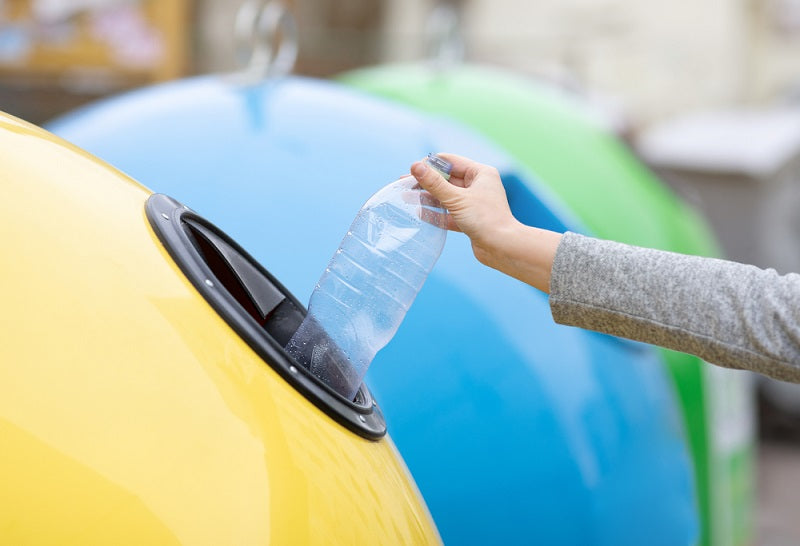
{"x": 432, "y": 181}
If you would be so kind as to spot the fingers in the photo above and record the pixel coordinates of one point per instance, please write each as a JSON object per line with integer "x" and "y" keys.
{"x": 431, "y": 211}
{"x": 438, "y": 217}
{"x": 465, "y": 170}
{"x": 432, "y": 181}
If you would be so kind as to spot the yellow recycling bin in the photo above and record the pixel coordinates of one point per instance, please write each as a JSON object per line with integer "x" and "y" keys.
{"x": 144, "y": 397}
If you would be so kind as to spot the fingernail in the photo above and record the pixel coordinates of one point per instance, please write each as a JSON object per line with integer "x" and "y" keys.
{"x": 419, "y": 168}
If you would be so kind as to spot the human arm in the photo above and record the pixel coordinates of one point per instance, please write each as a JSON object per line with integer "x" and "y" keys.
{"x": 478, "y": 206}
{"x": 728, "y": 313}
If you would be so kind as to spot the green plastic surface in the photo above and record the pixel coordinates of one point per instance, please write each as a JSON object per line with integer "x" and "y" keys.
{"x": 616, "y": 197}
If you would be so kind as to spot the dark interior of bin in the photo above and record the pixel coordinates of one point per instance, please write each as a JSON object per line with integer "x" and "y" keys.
{"x": 256, "y": 305}
{"x": 262, "y": 300}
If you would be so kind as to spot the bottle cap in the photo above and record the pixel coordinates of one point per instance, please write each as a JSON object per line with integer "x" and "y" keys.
{"x": 443, "y": 166}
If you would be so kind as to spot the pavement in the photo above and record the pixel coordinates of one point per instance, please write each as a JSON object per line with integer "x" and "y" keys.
{"x": 777, "y": 516}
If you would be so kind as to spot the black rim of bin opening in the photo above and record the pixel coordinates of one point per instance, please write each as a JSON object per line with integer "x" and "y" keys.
{"x": 248, "y": 297}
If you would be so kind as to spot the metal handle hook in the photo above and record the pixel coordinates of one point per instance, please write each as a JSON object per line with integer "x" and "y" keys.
{"x": 443, "y": 42}
{"x": 258, "y": 24}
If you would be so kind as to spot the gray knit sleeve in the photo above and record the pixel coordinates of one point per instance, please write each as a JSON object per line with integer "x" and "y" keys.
{"x": 730, "y": 314}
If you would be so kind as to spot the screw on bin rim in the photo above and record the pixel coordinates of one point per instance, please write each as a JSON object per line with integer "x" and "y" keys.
{"x": 258, "y": 24}
{"x": 444, "y": 45}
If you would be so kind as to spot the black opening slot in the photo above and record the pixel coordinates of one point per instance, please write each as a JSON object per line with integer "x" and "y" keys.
{"x": 223, "y": 271}
{"x": 262, "y": 300}
{"x": 255, "y": 304}
{"x": 284, "y": 322}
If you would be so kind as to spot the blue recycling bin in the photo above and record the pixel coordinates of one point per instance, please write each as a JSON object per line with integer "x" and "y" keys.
{"x": 515, "y": 429}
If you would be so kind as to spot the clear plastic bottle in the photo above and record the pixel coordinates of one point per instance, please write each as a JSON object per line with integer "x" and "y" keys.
{"x": 370, "y": 282}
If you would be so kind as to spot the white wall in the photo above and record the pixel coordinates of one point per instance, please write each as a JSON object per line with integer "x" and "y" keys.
{"x": 658, "y": 59}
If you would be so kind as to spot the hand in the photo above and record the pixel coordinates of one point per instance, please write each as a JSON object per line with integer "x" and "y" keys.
{"x": 478, "y": 206}
{"x": 476, "y": 200}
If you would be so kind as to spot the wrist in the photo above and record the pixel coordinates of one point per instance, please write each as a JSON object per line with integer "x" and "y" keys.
{"x": 494, "y": 247}
{"x": 523, "y": 252}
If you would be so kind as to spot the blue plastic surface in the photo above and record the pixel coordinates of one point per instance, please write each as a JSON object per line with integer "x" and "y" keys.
{"x": 516, "y": 430}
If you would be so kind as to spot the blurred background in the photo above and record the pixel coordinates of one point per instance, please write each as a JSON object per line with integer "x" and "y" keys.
{"x": 706, "y": 93}
{"x": 641, "y": 60}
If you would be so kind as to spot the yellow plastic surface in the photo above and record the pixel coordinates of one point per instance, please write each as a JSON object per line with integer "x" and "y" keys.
{"x": 130, "y": 413}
